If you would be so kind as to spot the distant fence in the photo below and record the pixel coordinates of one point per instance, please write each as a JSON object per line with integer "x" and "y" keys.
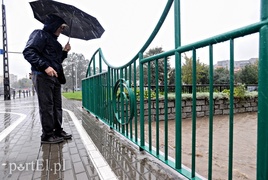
{"x": 188, "y": 88}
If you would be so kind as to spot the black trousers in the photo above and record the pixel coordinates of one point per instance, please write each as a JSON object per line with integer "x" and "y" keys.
{"x": 48, "y": 90}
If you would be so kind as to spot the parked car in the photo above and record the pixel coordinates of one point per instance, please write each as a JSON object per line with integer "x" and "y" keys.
{"x": 252, "y": 88}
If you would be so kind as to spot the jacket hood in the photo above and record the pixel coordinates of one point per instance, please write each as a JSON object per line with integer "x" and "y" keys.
{"x": 52, "y": 23}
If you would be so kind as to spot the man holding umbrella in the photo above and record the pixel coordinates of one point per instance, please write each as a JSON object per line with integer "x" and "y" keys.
{"x": 45, "y": 54}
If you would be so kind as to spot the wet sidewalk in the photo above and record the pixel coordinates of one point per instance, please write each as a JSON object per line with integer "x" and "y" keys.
{"x": 94, "y": 152}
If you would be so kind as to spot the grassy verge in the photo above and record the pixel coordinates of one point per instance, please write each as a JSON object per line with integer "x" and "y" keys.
{"x": 77, "y": 95}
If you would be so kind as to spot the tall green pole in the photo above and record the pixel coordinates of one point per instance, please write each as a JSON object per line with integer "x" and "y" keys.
{"x": 177, "y": 36}
{"x": 262, "y": 132}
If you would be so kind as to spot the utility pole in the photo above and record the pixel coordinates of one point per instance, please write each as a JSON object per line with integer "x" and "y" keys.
{"x": 5, "y": 56}
{"x": 73, "y": 75}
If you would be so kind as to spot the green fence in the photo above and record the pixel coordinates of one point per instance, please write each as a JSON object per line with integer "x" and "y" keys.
{"x": 119, "y": 97}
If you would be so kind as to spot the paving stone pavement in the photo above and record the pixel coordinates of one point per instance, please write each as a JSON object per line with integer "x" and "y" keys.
{"x": 95, "y": 151}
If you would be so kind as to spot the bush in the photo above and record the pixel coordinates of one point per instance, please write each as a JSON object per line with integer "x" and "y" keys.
{"x": 146, "y": 94}
{"x": 239, "y": 91}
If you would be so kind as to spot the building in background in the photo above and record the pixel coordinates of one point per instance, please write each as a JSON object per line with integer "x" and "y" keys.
{"x": 238, "y": 65}
{"x": 12, "y": 78}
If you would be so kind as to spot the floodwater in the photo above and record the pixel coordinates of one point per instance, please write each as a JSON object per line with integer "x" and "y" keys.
{"x": 244, "y": 145}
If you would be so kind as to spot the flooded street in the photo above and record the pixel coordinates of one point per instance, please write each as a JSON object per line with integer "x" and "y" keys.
{"x": 244, "y": 145}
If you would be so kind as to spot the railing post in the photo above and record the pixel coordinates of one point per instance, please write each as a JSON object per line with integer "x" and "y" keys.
{"x": 141, "y": 83}
{"x": 178, "y": 125}
{"x": 262, "y": 136}
{"x": 177, "y": 23}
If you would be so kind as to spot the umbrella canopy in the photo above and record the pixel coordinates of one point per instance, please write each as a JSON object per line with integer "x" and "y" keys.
{"x": 81, "y": 25}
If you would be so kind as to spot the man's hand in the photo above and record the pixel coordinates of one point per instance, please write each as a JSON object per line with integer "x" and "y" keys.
{"x": 51, "y": 72}
{"x": 67, "y": 47}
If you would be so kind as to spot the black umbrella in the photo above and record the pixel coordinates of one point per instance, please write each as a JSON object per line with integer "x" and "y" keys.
{"x": 81, "y": 25}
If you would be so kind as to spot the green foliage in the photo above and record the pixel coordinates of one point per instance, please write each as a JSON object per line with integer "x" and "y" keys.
{"x": 251, "y": 95}
{"x": 221, "y": 76}
{"x": 201, "y": 71}
{"x": 239, "y": 91}
{"x": 226, "y": 91}
{"x": 125, "y": 92}
{"x": 24, "y": 83}
{"x": 151, "y": 68}
{"x": 137, "y": 93}
{"x": 146, "y": 94}
{"x": 249, "y": 74}
{"x": 187, "y": 71}
{"x": 171, "y": 76}
{"x": 205, "y": 95}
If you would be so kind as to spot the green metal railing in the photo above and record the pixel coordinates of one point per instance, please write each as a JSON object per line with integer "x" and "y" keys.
{"x": 119, "y": 96}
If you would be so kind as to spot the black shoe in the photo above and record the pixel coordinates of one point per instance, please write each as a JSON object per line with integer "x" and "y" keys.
{"x": 64, "y": 135}
{"x": 52, "y": 140}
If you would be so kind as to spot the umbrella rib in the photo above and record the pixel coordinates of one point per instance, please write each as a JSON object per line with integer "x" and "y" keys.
{"x": 71, "y": 27}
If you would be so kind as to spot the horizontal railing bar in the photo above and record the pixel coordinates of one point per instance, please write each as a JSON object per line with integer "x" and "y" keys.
{"x": 96, "y": 75}
{"x": 240, "y": 32}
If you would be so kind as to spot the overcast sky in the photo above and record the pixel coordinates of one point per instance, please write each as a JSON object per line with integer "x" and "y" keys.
{"x": 129, "y": 23}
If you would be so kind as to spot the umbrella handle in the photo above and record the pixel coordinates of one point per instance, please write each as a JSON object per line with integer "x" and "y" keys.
{"x": 70, "y": 30}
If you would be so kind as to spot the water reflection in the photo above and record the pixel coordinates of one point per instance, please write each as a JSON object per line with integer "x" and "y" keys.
{"x": 7, "y": 122}
{"x": 6, "y": 148}
{"x": 123, "y": 158}
{"x": 51, "y": 164}
{"x": 33, "y": 114}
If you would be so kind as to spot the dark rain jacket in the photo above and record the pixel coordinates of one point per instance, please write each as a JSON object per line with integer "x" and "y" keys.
{"x": 43, "y": 50}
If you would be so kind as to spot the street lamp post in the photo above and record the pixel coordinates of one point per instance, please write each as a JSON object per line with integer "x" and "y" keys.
{"x": 73, "y": 75}
{"x": 76, "y": 78}
{"x": 5, "y": 56}
{"x": 74, "y": 83}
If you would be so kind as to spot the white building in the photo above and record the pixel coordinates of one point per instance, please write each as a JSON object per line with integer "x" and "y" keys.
{"x": 12, "y": 78}
{"x": 238, "y": 65}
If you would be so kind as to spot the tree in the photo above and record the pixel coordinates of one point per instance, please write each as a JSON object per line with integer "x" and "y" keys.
{"x": 171, "y": 76}
{"x": 237, "y": 78}
{"x": 201, "y": 71}
{"x": 221, "y": 76}
{"x": 152, "y": 67}
{"x": 249, "y": 74}
{"x": 23, "y": 83}
{"x": 75, "y": 68}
